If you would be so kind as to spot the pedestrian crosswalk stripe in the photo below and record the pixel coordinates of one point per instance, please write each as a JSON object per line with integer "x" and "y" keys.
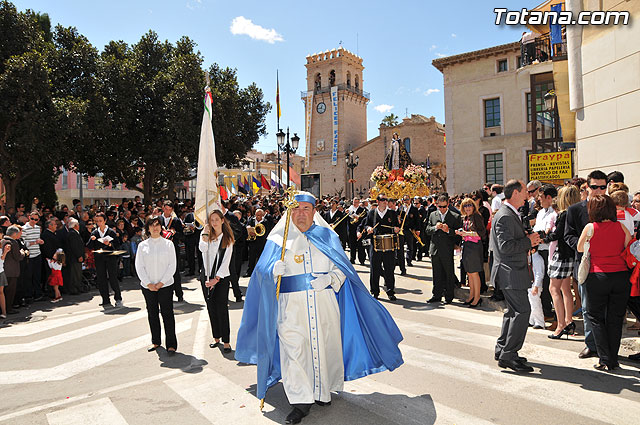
{"x": 28, "y": 329}
{"x": 86, "y": 396}
{"x": 98, "y": 412}
{"x": 203, "y": 392}
{"x": 83, "y": 364}
{"x": 373, "y": 396}
{"x": 487, "y": 318}
{"x": 488, "y": 341}
{"x": 561, "y": 395}
{"x": 30, "y": 347}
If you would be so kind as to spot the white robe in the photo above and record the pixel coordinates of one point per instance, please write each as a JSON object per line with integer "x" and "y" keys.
{"x": 309, "y": 328}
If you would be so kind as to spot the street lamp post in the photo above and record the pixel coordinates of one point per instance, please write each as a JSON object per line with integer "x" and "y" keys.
{"x": 429, "y": 171}
{"x": 288, "y": 148}
{"x": 352, "y": 162}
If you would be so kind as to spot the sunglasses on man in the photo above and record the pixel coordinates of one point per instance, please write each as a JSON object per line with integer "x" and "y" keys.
{"x": 595, "y": 186}
{"x": 532, "y": 191}
{"x": 443, "y": 207}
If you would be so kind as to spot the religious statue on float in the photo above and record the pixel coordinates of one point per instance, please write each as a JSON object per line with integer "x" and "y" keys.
{"x": 397, "y": 158}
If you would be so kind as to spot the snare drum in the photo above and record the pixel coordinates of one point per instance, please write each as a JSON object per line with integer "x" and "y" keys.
{"x": 383, "y": 243}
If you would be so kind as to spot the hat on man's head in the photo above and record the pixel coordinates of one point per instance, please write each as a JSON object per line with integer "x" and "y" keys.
{"x": 303, "y": 196}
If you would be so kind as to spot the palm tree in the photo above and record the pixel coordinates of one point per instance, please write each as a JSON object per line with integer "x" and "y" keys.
{"x": 390, "y": 120}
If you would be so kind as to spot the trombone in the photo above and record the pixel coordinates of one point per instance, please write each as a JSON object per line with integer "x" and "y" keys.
{"x": 415, "y": 235}
{"x": 334, "y": 225}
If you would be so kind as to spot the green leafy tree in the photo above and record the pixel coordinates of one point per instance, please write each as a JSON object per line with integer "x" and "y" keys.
{"x": 390, "y": 120}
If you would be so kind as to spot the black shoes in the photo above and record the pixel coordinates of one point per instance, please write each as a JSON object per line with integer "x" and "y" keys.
{"x": 180, "y": 299}
{"x": 376, "y": 296}
{"x": 239, "y": 299}
{"x": 478, "y": 304}
{"x": 520, "y": 359}
{"x": 226, "y": 349}
{"x": 403, "y": 273}
{"x": 515, "y": 365}
{"x": 448, "y": 301}
{"x": 567, "y": 330}
{"x": 322, "y": 403}
{"x": 353, "y": 261}
{"x": 586, "y": 353}
{"x": 410, "y": 264}
{"x": 295, "y": 417}
{"x": 214, "y": 344}
{"x": 434, "y": 300}
{"x": 152, "y": 348}
{"x": 392, "y": 298}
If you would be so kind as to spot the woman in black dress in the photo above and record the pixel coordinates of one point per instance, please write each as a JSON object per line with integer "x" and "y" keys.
{"x": 473, "y": 232}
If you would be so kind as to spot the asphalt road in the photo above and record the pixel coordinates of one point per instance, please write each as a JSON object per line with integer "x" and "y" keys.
{"x": 73, "y": 363}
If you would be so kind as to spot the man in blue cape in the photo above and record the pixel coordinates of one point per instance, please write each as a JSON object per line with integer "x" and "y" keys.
{"x": 324, "y": 328}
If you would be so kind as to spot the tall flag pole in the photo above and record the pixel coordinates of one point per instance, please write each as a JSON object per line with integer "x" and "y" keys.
{"x": 207, "y": 195}
{"x": 278, "y": 113}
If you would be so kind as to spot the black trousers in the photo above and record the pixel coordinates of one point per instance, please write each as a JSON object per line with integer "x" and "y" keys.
{"x": 355, "y": 246}
{"x": 177, "y": 279}
{"x": 400, "y": 262}
{"x": 382, "y": 263}
{"x": 444, "y": 279}
{"x": 218, "y": 308}
{"x": 255, "y": 250}
{"x": 238, "y": 252}
{"x": 410, "y": 253}
{"x": 107, "y": 267}
{"x": 190, "y": 246}
{"x": 33, "y": 278}
{"x": 235, "y": 276}
{"x": 545, "y": 296}
{"x": 607, "y": 294}
{"x": 161, "y": 303}
{"x": 74, "y": 281}
{"x": 515, "y": 323}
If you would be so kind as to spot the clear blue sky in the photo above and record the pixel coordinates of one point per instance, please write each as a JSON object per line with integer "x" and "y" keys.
{"x": 397, "y": 41}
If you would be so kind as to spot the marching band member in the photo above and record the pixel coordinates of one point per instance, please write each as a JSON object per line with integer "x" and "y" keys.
{"x": 381, "y": 221}
{"x": 173, "y": 227}
{"x": 356, "y": 213}
{"x": 255, "y": 242}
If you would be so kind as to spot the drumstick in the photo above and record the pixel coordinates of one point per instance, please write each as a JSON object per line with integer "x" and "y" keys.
{"x": 371, "y": 229}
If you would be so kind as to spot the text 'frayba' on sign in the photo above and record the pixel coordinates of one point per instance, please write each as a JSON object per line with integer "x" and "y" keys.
{"x": 550, "y": 166}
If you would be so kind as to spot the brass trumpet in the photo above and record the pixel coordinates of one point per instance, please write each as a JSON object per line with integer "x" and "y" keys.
{"x": 358, "y": 217}
{"x": 334, "y": 225}
{"x": 258, "y": 231}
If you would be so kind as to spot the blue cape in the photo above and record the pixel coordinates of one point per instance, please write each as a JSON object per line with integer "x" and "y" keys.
{"x": 370, "y": 337}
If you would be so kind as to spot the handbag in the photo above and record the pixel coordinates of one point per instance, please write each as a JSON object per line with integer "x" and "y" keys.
{"x": 585, "y": 263}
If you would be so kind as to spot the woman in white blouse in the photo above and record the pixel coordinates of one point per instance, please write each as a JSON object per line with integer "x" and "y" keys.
{"x": 216, "y": 245}
{"x": 155, "y": 265}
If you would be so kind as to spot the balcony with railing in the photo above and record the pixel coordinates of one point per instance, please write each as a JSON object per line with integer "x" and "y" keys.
{"x": 341, "y": 87}
{"x": 542, "y": 50}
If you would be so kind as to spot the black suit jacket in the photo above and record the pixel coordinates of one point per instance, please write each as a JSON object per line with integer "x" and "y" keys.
{"x": 577, "y": 219}
{"x": 412, "y": 222}
{"x": 340, "y": 229}
{"x": 95, "y": 244}
{"x": 75, "y": 246}
{"x": 389, "y": 220}
{"x": 176, "y": 225}
{"x": 353, "y": 228}
{"x": 50, "y": 245}
{"x": 443, "y": 243}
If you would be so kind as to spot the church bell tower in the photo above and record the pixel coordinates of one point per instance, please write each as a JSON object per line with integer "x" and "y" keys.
{"x": 336, "y": 116}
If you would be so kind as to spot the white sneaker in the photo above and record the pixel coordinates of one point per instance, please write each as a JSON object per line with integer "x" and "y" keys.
{"x": 119, "y": 304}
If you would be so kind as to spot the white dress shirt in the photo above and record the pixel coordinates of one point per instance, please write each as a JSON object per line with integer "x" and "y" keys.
{"x": 544, "y": 220}
{"x": 496, "y": 202}
{"x": 210, "y": 260}
{"x": 156, "y": 261}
